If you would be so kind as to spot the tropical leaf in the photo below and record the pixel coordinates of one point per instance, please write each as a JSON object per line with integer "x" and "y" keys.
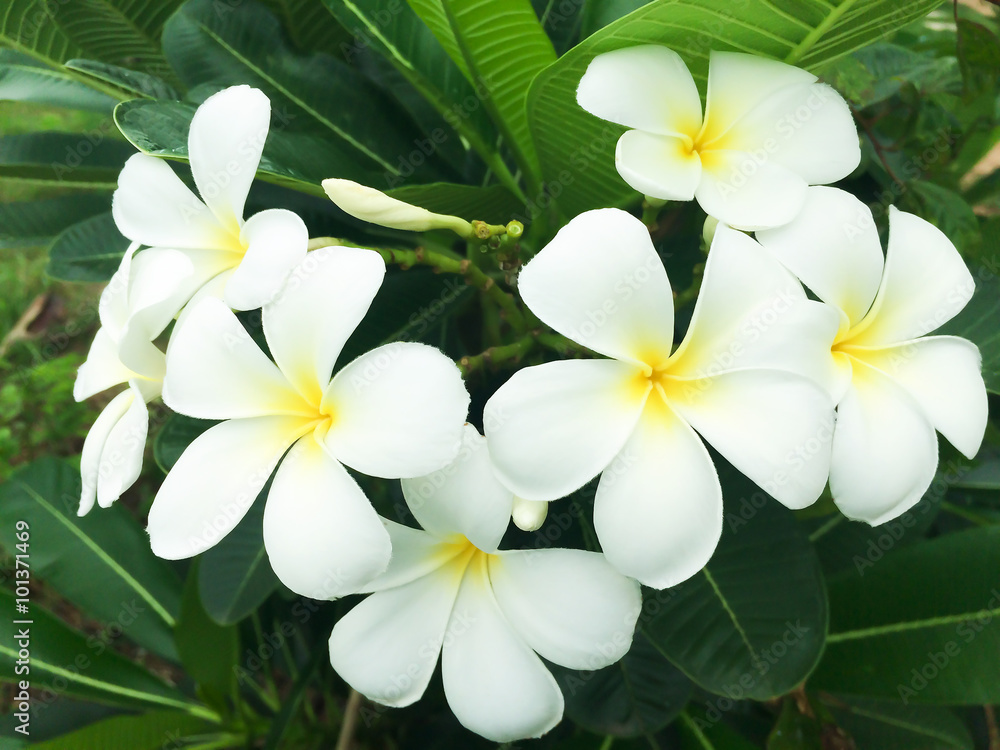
{"x": 101, "y": 562}
{"x": 977, "y": 322}
{"x": 77, "y": 160}
{"x": 26, "y": 26}
{"x": 90, "y": 250}
{"x": 577, "y": 149}
{"x": 36, "y": 222}
{"x": 310, "y": 27}
{"x": 148, "y": 731}
{"x": 131, "y": 82}
{"x": 893, "y": 726}
{"x": 209, "y": 651}
{"x": 32, "y": 83}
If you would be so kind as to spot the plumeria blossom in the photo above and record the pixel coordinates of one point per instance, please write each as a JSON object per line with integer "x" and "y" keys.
{"x": 397, "y": 411}
{"x": 489, "y": 614}
{"x": 769, "y": 131}
{"x": 746, "y": 377}
{"x": 896, "y": 385}
{"x": 208, "y": 236}
{"x": 131, "y": 311}
{"x": 374, "y": 206}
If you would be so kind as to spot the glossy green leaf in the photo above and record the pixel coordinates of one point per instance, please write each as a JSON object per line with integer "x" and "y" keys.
{"x": 315, "y": 94}
{"x": 66, "y": 661}
{"x": 639, "y": 695}
{"x": 90, "y": 250}
{"x": 36, "y": 222}
{"x": 234, "y": 576}
{"x": 176, "y": 435}
{"x": 136, "y": 82}
{"x": 919, "y": 626}
{"x": 493, "y": 204}
{"x": 27, "y": 26}
{"x": 432, "y": 13}
{"x": 77, "y": 160}
{"x": 599, "y": 13}
{"x": 311, "y": 27}
{"x": 31, "y": 83}
{"x": 752, "y": 622}
{"x": 505, "y": 47}
{"x": 977, "y": 322}
{"x": 209, "y": 651}
{"x": 577, "y": 149}
{"x": 392, "y": 29}
{"x": 893, "y": 726}
{"x": 101, "y": 562}
{"x": 53, "y": 716}
{"x": 149, "y": 731}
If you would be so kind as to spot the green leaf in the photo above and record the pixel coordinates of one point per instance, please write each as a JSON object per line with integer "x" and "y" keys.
{"x": 599, "y": 13}
{"x": 883, "y": 69}
{"x": 977, "y": 322}
{"x": 121, "y": 32}
{"x": 314, "y": 93}
{"x": 26, "y": 26}
{"x": 432, "y": 13}
{"x": 310, "y": 26}
{"x": 176, "y": 435}
{"x": 917, "y": 627}
{"x": 134, "y": 82}
{"x": 292, "y": 701}
{"x": 397, "y": 33}
{"x": 90, "y": 250}
{"x": 66, "y": 661}
{"x": 577, "y": 149}
{"x": 893, "y": 726}
{"x": 299, "y": 161}
{"x": 150, "y": 731}
{"x": 637, "y": 696}
{"x": 751, "y": 623}
{"x": 31, "y": 83}
{"x": 493, "y": 204}
{"x": 505, "y": 47}
{"x": 949, "y": 212}
{"x": 209, "y": 651}
{"x": 978, "y": 56}
{"x": 794, "y": 730}
{"x": 101, "y": 562}
{"x": 234, "y": 576}
{"x": 36, "y": 222}
{"x": 79, "y": 160}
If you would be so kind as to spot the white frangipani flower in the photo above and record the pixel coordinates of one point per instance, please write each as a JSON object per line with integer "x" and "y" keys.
{"x": 130, "y": 312}
{"x": 769, "y": 131}
{"x": 896, "y": 385}
{"x": 397, "y": 411}
{"x": 489, "y": 614}
{"x": 208, "y": 236}
{"x": 744, "y": 377}
{"x": 374, "y": 206}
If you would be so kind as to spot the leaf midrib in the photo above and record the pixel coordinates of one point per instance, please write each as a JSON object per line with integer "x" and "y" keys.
{"x": 902, "y": 627}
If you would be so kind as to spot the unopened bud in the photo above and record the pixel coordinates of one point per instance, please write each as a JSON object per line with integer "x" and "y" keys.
{"x": 708, "y": 231}
{"x": 374, "y": 206}
{"x": 529, "y": 515}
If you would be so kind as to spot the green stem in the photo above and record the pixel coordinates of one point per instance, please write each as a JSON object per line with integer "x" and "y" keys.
{"x": 968, "y": 515}
{"x": 497, "y": 355}
{"x": 693, "y": 727}
{"x": 609, "y": 740}
{"x": 814, "y": 36}
{"x": 826, "y": 527}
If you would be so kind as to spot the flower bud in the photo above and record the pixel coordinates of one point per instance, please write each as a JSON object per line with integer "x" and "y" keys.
{"x": 529, "y": 515}
{"x": 374, "y": 206}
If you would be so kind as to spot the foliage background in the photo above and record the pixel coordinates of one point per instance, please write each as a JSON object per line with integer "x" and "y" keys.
{"x": 805, "y": 631}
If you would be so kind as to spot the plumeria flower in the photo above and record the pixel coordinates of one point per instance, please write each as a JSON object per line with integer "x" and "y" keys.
{"x": 489, "y": 614}
{"x": 896, "y": 385}
{"x": 397, "y": 411}
{"x": 374, "y": 206}
{"x": 769, "y": 131}
{"x": 131, "y": 310}
{"x": 208, "y": 236}
{"x": 746, "y": 377}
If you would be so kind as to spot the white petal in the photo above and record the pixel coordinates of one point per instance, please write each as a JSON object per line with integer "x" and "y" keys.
{"x": 494, "y": 682}
{"x": 554, "y": 427}
{"x": 751, "y": 312}
{"x": 216, "y": 371}
{"x": 398, "y": 411}
{"x": 215, "y": 481}
{"x": 926, "y": 283}
{"x": 747, "y": 190}
{"x": 112, "y": 308}
{"x": 570, "y": 606}
{"x": 93, "y": 447}
{"x": 276, "y": 242}
{"x": 737, "y": 83}
{"x": 121, "y": 457}
{"x": 225, "y": 142}
{"x": 834, "y": 248}
{"x": 601, "y": 283}
{"x": 660, "y": 166}
{"x": 806, "y": 128}
{"x": 322, "y": 536}
{"x": 102, "y": 368}
{"x": 325, "y": 298}
{"x": 646, "y": 87}
{"x": 775, "y": 427}
{"x": 464, "y": 497}
{"x": 884, "y": 450}
{"x": 415, "y": 554}
{"x": 944, "y": 375}
{"x": 658, "y": 508}
{"x": 387, "y": 646}
{"x": 154, "y": 207}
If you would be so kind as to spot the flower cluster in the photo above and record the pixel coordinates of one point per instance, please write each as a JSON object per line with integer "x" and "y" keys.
{"x": 842, "y": 387}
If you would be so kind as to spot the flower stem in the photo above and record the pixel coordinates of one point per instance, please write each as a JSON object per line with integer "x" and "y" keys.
{"x": 497, "y": 354}
{"x": 609, "y": 740}
{"x": 350, "y": 720}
